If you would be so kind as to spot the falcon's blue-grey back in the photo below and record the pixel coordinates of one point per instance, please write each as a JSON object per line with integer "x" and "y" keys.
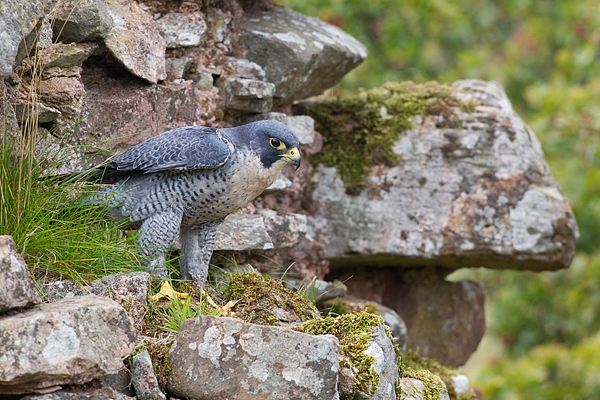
{"x": 187, "y": 181}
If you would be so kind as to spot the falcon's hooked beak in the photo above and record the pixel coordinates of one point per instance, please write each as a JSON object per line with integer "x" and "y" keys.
{"x": 292, "y": 156}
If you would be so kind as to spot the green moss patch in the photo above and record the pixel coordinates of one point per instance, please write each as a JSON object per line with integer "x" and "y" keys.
{"x": 436, "y": 377}
{"x": 262, "y": 300}
{"x": 360, "y": 130}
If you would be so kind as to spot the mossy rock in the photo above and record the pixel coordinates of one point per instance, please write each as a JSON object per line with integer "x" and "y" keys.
{"x": 360, "y": 130}
{"x": 263, "y": 300}
{"x": 436, "y": 377}
{"x": 354, "y": 332}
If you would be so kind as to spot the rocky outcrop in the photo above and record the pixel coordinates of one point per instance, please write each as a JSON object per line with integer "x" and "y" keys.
{"x": 471, "y": 189}
{"x": 468, "y": 185}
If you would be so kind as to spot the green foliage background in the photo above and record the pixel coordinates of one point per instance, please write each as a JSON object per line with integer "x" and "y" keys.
{"x": 546, "y": 54}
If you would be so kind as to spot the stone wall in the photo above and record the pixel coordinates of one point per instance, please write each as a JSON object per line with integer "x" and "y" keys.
{"x": 469, "y": 189}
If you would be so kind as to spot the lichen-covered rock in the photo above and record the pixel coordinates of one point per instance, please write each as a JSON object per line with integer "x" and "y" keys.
{"x": 243, "y": 232}
{"x": 78, "y": 393}
{"x": 182, "y": 29}
{"x": 136, "y": 41}
{"x": 129, "y": 290}
{"x": 17, "y": 289}
{"x": 248, "y": 95}
{"x": 225, "y": 358}
{"x": 19, "y": 22}
{"x": 285, "y": 230}
{"x": 143, "y": 378}
{"x": 71, "y": 341}
{"x": 301, "y": 55}
{"x": 80, "y": 20}
{"x": 463, "y": 187}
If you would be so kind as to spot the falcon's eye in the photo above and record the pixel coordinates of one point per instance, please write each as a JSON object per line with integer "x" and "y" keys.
{"x": 276, "y": 143}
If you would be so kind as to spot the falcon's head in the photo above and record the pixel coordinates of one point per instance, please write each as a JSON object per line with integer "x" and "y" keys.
{"x": 274, "y": 142}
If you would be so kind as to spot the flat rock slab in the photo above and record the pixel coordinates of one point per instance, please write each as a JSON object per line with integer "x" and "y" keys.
{"x": 478, "y": 194}
{"x": 224, "y": 358}
{"x": 68, "y": 342}
{"x": 17, "y": 289}
{"x": 301, "y": 55}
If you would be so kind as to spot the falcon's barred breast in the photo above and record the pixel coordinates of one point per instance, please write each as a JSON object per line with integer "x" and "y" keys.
{"x": 187, "y": 181}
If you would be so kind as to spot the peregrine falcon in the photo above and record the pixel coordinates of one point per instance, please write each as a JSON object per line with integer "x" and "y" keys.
{"x": 187, "y": 181}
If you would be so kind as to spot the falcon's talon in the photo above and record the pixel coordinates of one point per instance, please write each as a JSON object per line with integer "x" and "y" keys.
{"x": 187, "y": 180}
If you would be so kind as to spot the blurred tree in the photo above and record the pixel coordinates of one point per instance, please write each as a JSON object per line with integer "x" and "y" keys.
{"x": 546, "y": 55}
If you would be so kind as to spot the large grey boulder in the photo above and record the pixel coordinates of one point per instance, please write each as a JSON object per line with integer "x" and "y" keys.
{"x": 217, "y": 358}
{"x": 476, "y": 194}
{"x": 20, "y": 22}
{"x": 17, "y": 289}
{"x": 301, "y": 55}
{"x": 71, "y": 341}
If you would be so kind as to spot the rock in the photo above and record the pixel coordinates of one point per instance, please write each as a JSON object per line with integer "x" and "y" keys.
{"x": 385, "y": 365}
{"x": 176, "y": 67}
{"x": 143, "y": 379}
{"x": 461, "y": 383}
{"x": 285, "y": 230}
{"x": 77, "y": 393}
{"x": 302, "y": 125}
{"x": 202, "y": 80}
{"x": 182, "y": 30}
{"x": 411, "y": 389}
{"x": 321, "y": 290}
{"x": 66, "y": 55}
{"x": 224, "y": 358}
{"x": 130, "y": 112}
{"x": 414, "y": 389}
{"x": 243, "y": 232}
{"x": 129, "y": 290}
{"x": 135, "y": 41}
{"x": 247, "y": 69}
{"x": 20, "y": 22}
{"x": 61, "y": 89}
{"x": 477, "y": 194}
{"x": 444, "y": 320}
{"x": 248, "y": 95}
{"x": 35, "y": 112}
{"x": 348, "y": 304}
{"x": 71, "y": 341}
{"x": 17, "y": 289}
{"x": 8, "y": 119}
{"x": 280, "y": 184}
{"x": 301, "y": 55}
{"x": 80, "y": 20}
{"x": 396, "y": 325}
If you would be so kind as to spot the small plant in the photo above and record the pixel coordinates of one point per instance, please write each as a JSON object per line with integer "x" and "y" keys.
{"x": 57, "y": 236}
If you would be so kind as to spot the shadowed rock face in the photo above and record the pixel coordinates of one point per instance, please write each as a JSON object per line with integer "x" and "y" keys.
{"x": 479, "y": 194}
